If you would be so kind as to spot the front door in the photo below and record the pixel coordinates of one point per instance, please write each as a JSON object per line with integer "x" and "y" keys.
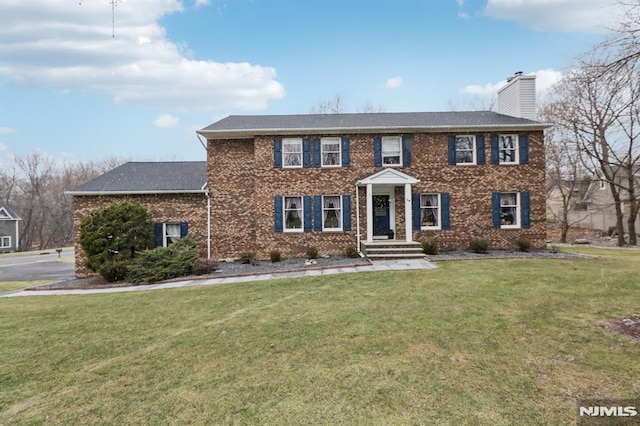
{"x": 381, "y": 218}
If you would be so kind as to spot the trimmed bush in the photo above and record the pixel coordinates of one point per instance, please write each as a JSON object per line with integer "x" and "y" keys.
{"x": 312, "y": 252}
{"x": 524, "y": 245}
{"x": 204, "y": 266}
{"x": 479, "y": 246}
{"x": 248, "y": 258}
{"x": 430, "y": 246}
{"x": 275, "y": 256}
{"x": 352, "y": 252}
{"x": 113, "y": 270}
{"x": 163, "y": 263}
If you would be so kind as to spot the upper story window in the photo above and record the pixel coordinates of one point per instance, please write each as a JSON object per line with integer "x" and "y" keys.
{"x": 510, "y": 210}
{"x": 508, "y": 149}
{"x": 293, "y": 217}
{"x": 292, "y": 152}
{"x": 430, "y": 211}
{"x": 331, "y": 153}
{"x": 391, "y": 151}
{"x": 465, "y": 149}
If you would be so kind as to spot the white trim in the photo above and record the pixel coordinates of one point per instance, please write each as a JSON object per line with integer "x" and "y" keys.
{"x": 284, "y": 214}
{"x": 382, "y": 155}
{"x": 518, "y": 217}
{"x": 291, "y": 141}
{"x": 516, "y": 149}
{"x": 3, "y": 238}
{"x": 474, "y": 152}
{"x": 408, "y": 213}
{"x": 439, "y": 226}
{"x": 6, "y": 215}
{"x": 141, "y": 192}
{"x": 340, "y": 214}
{"x": 339, "y": 142}
{"x": 388, "y": 176}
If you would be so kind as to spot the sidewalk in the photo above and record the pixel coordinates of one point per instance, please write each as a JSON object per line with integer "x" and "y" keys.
{"x": 382, "y": 265}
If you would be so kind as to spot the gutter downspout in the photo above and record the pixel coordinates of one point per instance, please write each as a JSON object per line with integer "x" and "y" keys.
{"x": 358, "y": 221}
{"x": 206, "y": 194}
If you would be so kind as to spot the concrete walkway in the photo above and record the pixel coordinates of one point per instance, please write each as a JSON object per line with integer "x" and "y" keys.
{"x": 381, "y": 265}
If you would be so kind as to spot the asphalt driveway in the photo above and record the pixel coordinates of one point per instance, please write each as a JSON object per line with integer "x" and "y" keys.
{"x": 32, "y": 267}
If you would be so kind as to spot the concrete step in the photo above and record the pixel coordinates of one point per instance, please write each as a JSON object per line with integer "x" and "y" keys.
{"x": 389, "y": 256}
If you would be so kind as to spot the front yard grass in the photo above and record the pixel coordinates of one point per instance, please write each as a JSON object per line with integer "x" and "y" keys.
{"x": 472, "y": 342}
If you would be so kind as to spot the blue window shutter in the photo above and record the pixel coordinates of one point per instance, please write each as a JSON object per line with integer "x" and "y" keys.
{"x": 346, "y": 151}
{"x": 525, "y": 209}
{"x": 495, "y": 149}
{"x": 346, "y": 212}
{"x": 317, "y": 212}
{"x": 451, "y": 151}
{"x": 306, "y": 153}
{"x": 407, "y": 146}
{"x": 415, "y": 211}
{"x": 445, "y": 208}
{"x": 184, "y": 229}
{"x": 524, "y": 149}
{"x": 495, "y": 209}
{"x": 277, "y": 213}
{"x": 307, "y": 213}
{"x": 277, "y": 153}
{"x": 480, "y": 151}
{"x": 316, "y": 152}
{"x": 377, "y": 151}
{"x": 158, "y": 234}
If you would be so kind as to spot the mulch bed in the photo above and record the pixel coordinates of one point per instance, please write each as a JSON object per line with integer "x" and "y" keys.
{"x": 627, "y": 326}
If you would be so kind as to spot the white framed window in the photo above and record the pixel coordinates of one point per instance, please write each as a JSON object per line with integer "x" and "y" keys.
{"x": 293, "y": 216}
{"x": 510, "y": 210}
{"x": 5, "y": 242}
{"x": 171, "y": 232}
{"x": 292, "y": 152}
{"x": 331, "y": 213}
{"x": 331, "y": 152}
{"x": 466, "y": 149}
{"x": 508, "y": 149}
{"x": 430, "y": 211}
{"x": 391, "y": 151}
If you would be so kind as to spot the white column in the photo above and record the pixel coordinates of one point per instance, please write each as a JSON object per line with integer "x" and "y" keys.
{"x": 408, "y": 212}
{"x": 369, "y": 213}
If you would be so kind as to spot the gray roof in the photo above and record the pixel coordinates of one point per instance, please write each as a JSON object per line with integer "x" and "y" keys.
{"x": 238, "y": 126}
{"x": 12, "y": 213}
{"x": 148, "y": 178}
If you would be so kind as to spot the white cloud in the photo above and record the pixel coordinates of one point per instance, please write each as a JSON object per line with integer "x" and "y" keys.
{"x": 62, "y": 45}
{"x": 3, "y": 147}
{"x": 166, "y": 121}
{"x": 556, "y": 15}
{"x": 545, "y": 79}
{"x": 393, "y": 83}
{"x": 6, "y": 130}
{"x": 200, "y": 3}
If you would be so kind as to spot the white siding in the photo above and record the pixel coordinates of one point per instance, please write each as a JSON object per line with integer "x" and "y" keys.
{"x": 518, "y": 97}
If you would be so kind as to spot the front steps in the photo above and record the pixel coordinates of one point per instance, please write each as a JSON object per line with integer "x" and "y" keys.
{"x": 392, "y": 249}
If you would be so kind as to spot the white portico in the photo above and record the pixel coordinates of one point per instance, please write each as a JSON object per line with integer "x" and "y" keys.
{"x": 381, "y": 204}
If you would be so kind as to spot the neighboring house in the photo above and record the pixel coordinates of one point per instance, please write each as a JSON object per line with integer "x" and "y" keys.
{"x": 575, "y": 190}
{"x": 175, "y": 193}
{"x": 597, "y": 208}
{"x": 288, "y": 182}
{"x": 9, "y": 229}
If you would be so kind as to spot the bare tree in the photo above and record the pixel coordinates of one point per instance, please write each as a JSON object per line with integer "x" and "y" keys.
{"x": 565, "y": 177}
{"x": 332, "y": 106}
{"x": 624, "y": 40}
{"x": 370, "y": 107}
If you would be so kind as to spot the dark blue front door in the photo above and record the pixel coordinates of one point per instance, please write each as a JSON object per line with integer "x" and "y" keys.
{"x": 381, "y": 215}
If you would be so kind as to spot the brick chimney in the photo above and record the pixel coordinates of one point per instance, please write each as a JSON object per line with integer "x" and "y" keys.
{"x": 517, "y": 98}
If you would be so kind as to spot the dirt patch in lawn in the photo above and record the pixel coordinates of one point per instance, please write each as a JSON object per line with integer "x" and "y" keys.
{"x": 627, "y": 326}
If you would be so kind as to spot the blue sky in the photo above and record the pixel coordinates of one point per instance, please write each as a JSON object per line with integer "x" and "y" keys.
{"x": 72, "y": 91}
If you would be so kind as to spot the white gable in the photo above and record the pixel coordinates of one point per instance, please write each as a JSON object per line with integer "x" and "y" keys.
{"x": 388, "y": 176}
{"x": 4, "y": 214}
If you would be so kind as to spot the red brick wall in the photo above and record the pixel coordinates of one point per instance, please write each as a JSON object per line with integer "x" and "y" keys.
{"x": 244, "y": 182}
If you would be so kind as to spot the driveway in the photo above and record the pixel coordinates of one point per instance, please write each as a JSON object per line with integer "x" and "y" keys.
{"x": 34, "y": 267}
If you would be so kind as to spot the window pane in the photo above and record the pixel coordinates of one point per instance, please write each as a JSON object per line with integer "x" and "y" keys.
{"x": 509, "y": 209}
{"x": 508, "y": 199}
{"x": 464, "y": 143}
{"x": 391, "y": 145}
{"x": 429, "y": 200}
{"x": 293, "y": 212}
{"x": 331, "y": 213}
{"x": 394, "y": 159}
{"x": 292, "y": 153}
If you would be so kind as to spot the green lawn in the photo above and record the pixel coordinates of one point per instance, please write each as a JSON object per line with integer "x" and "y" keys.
{"x": 473, "y": 342}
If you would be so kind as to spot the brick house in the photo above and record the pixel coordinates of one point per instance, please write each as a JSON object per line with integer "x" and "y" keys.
{"x": 175, "y": 193}
{"x": 373, "y": 180}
